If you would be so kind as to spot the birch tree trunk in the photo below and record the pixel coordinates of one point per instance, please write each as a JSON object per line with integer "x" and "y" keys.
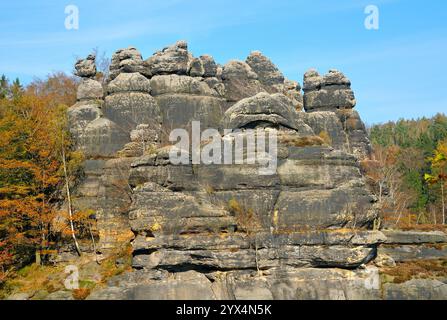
{"x": 70, "y": 208}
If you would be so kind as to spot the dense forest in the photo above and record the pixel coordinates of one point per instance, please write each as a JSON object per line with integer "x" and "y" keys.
{"x": 408, "y": 171}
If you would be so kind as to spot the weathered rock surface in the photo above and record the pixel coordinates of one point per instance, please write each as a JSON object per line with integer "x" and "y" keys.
{"x": 130, "y": 109}
{"x": 283, "y": 284}
{"x": 86, "y": 68}
{"x": 90, "y": 90}
{"x": 303, "y": 230}
{"x": 127, "y": 60}
{"x": 268, "y": 74}
{"x": 331, "y": 91}
{"x": 264, "y": 108}
{"x": 240, "y": 81}
{"x": 125, "y": 82}
{"x": 171, "y": 60}
{"x": 416, "y": 289}
{"x": 414, "y": 237}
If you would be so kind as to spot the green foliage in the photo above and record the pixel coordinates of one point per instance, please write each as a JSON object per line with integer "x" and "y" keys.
{"x": 417, "y": 141}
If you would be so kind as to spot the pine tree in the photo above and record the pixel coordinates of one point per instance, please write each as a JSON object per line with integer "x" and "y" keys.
{"x": 4, "y": 87}
{"x": 16, "y": 89}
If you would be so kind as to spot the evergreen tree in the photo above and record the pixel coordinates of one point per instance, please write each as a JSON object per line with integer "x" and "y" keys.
{"x": 4, "y": 87}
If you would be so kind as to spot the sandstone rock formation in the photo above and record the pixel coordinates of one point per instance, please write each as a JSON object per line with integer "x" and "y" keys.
{"x": 223, "y": 231}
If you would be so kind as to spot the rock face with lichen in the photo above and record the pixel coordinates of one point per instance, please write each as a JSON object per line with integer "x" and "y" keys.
{"x": 225, "y": 231}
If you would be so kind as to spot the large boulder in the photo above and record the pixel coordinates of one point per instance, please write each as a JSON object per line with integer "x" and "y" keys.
{"x": 204, "y": 66}
{"x": 268, "y": 74}
{"x": 86, "y": 68}
{"x": 263, "y": 108}
{"x": 80, "y": 115}
{"x": 328, "y": 92}
{"x": 125, "y": 82}
{"x": 327, "y": 123}
{"x": 90, "y": 89}
{"x": 359, "y": 143}
{"x": 292, "y": 89}
{"x": 129, "y": 109}
{"x": 240, "y": 81}
{"x": 175, "y": 84}
{"x": 171, "y": 60}
{"x": 102, "y": 138}
{"x": 183, "y": 99}
{"x": 127, "y": 60}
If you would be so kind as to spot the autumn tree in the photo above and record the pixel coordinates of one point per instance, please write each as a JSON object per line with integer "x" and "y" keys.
{"x": 438, "y": 176}
{"x": 32, "y": 133}
{"x": 417, "y": 140}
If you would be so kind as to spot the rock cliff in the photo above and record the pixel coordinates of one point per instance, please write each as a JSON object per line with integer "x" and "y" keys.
{"x": 223, "y": 231}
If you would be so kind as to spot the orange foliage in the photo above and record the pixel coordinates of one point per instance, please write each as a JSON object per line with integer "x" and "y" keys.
{"x": 32, "y": 133}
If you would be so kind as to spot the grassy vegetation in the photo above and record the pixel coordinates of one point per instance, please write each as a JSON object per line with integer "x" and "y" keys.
{"x": 302, "y": 141}
{"x": 38, "y": 281}
{"x": 418, "y": 269}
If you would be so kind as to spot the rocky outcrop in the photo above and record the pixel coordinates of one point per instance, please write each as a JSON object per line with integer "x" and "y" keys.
{"x": 329, "y": 102}
{"x": 403, "y": 246}
{"x": 86, "y": 68}
{"x": 268, "y": 74}
{"x": 265, "y": 109}
{"x": 240, "y": 81}
{"x": 281, "y": 284}
{"x": 174, "y": 59}
{"x": 127, "y": 60}
{"x": 183, "y": 99}
{"x": 300, "y": 230}
{"x": 331, "y": 91}
{"x": 129, "y": 102}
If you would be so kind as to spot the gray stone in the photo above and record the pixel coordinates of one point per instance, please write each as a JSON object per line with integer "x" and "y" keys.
{"x": 179, "y": 110}
{"x": 80, "y": 115}
{"x": 209, "y": 66}
{"x": 414, "y": 252}
{"x": 416, "y": 289}
{"x": 171, "y": 60}
{"x": 262, "y": 258}
{"x": 275, "y": 109}
{"x": 196, "y": 68}
{"x": 102, "y": 138}
{"x": 337, "y": 207}
{"x": 125, "y": 82}
{"x": 327, "y": 122}
{"x": 292, "y": 89}
{"x": 240, "y": 81}
{"x": 268, "y": 74}
{"x": 86, "y": 68}
{"x": 90, "y": 90}
{"x": 130, "y": 109}
{"x": 359, "y": 143}
{"x": 414, "y": 237}
{"x": 127, "y": 60}
{"x": 329, "y": 92}
{"x": 175, "y": 84}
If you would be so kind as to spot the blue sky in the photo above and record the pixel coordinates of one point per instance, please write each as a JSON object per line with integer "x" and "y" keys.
{"x": 397, "y": 71}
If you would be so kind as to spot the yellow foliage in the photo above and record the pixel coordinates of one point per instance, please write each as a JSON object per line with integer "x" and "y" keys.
{"x": 326, "y": 137}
